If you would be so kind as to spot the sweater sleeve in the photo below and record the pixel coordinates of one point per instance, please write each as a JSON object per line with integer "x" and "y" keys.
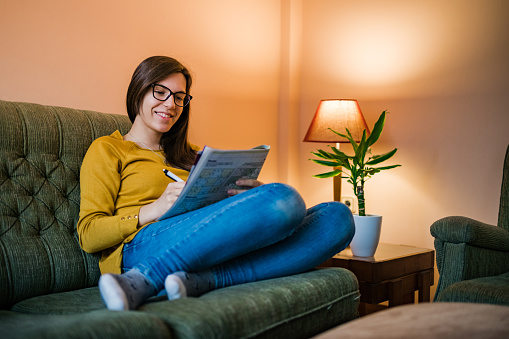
{"x": 100, "y": 179}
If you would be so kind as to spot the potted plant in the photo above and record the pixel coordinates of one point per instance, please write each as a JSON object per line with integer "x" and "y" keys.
{"x": 360, "y": 168}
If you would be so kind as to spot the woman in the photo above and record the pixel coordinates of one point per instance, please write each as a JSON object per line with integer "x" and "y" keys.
{"x": 260, "y": 233}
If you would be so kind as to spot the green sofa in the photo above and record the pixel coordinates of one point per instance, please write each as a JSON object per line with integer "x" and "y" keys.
{"x": 473, "y": 257}
{"x": 48, "y": 285}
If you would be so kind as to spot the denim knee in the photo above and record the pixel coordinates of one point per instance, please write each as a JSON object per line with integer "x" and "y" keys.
{"x": 341, "y": 226}
{"x": 286, "y": 205}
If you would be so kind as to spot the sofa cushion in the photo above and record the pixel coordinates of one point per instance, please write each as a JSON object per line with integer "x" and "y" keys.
{"x": 303, "y": 304}
{"x": 93, "y": 325}
{"x": 72, "y": 302}
{"x": 297, "y": 306}
{"x": 487, "y": 290}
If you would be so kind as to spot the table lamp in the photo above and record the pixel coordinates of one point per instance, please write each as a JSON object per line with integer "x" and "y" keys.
{"x": 337, "y": 114}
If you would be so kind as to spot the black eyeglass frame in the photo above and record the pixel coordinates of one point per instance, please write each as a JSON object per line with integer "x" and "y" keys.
{"x": 169, "y": 95}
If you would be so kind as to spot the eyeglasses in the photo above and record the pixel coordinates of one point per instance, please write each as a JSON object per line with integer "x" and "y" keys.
{"x": 162, "y": 93}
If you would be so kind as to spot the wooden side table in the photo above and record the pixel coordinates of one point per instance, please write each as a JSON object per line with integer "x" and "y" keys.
{"x": 393, "y": 274}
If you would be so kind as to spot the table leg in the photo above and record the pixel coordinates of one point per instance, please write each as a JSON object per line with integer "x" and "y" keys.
{"x": 395, "y": 292}
{"x": 424, "y": 281}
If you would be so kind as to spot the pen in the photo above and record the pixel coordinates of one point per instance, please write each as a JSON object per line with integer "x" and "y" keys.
{"x": 172, "y": 176}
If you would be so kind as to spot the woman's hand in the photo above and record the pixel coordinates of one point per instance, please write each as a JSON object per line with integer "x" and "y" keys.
{"x": 247, "y": 183}
{"x": 152, "y": 211}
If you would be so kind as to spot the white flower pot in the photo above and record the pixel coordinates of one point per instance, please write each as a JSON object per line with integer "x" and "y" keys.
{"x": 367, "y": 235}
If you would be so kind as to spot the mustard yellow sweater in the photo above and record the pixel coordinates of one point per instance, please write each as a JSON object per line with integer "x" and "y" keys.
{"x": 117, "y": 178}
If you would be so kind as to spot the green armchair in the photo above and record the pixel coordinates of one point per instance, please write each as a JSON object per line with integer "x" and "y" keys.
{"x": 473, "y": 257}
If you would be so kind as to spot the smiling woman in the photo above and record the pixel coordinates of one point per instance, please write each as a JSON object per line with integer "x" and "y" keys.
{"x": 161, "y": 124}
{"x": 257, "y": 233}
{"x": 159, "y": 111}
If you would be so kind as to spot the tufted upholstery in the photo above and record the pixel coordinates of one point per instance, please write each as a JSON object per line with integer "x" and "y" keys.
{"x": 41, "y": 150}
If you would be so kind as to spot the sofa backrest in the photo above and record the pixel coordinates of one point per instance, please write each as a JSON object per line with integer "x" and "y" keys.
{"x": 41, "y": 151}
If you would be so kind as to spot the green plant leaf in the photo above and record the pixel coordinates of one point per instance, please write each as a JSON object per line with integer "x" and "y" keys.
{"x": 339, "y": 153}
{"x": 319, "y": 155}
{"x": 387, "y": 167}
{"x": 363, "y": 148}
{"x": 326, "y": 163}
{"x": 352, "y": 141}
{"x": 322, "y": 154}
{"x": 377, "y": 129}
{"x": 340, "y": 134}
{"x": 346, "y": 164}
{"x": 370, "y": 171}
{"x": 340, "y": 156}
{"x": 328, "y": 174}
{"x": 376, "y": 159}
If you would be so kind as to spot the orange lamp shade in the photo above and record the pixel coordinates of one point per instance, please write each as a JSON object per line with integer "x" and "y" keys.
{"x": 337, "y": 114}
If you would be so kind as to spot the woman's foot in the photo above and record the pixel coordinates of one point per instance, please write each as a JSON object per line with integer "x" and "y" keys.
{"x": 125, "y": 291}
{"x": 182, "y": 285}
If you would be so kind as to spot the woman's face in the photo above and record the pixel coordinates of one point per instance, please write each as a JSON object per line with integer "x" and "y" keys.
{"x": 158, "y": 116}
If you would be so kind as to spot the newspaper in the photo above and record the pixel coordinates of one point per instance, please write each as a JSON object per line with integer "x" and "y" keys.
{"x": 215, "y": 172}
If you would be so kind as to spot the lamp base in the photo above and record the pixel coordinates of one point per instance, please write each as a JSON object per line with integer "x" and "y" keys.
{"x": 337, "y": 186}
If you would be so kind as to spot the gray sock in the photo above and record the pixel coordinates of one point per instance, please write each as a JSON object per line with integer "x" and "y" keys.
{"x": 181, "y": 284}
{"x": 125, "y": 291}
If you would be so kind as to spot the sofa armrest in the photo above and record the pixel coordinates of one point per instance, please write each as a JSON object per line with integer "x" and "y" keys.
{"x": 458, "y": 230}
{"x": 468, "y": 249}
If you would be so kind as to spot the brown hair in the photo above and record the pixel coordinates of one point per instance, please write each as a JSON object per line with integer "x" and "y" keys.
{"x": 174, "y": 142}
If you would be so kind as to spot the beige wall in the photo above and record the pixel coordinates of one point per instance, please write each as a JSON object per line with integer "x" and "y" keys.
{"x": 82, "y": 54}
{"x": 442, "y": 69}
{"x": 261, "y": 66}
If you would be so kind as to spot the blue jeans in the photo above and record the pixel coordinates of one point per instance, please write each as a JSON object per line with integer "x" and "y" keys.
{"x": 263, "y": 233}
